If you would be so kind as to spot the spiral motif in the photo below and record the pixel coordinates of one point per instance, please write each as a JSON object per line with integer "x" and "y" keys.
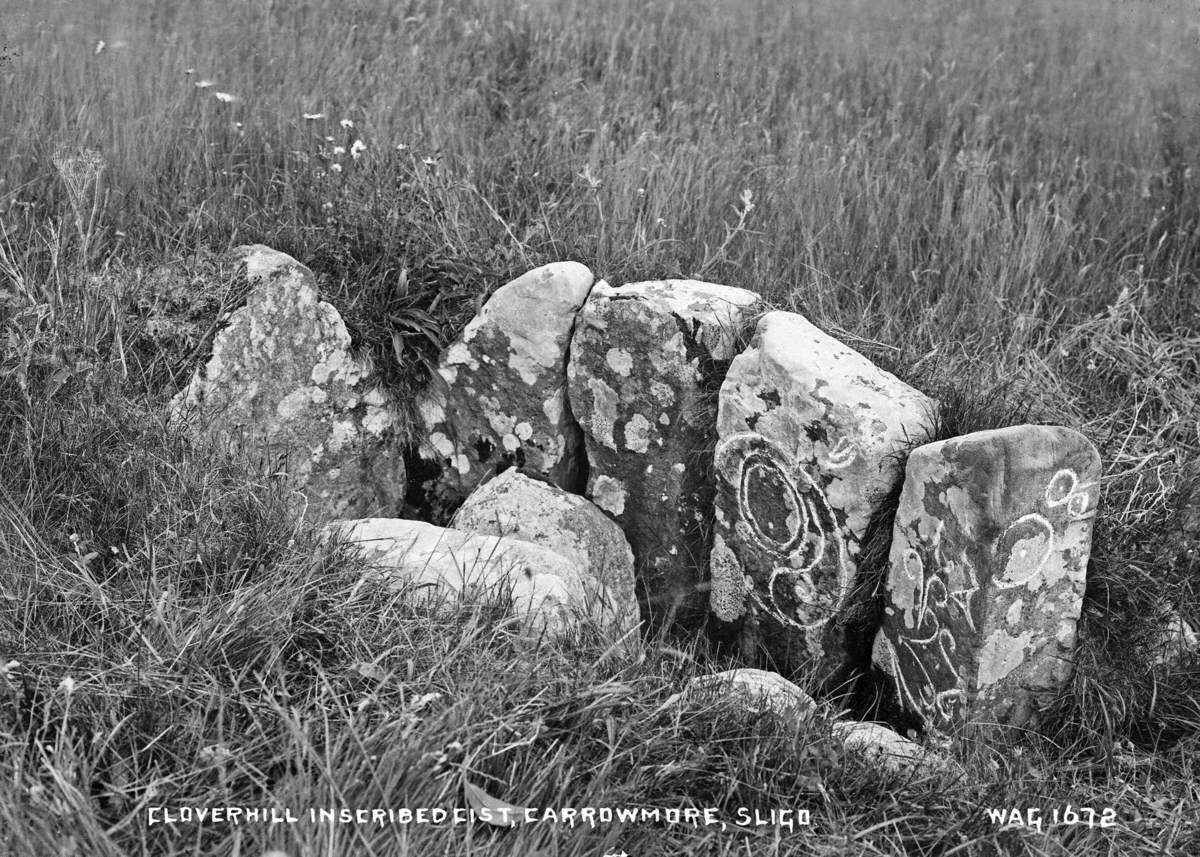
{"x": 787, "y": 517}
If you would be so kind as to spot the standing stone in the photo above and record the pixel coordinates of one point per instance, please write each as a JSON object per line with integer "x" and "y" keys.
{"x": 438, "y": 567}
{"x": 645, "y": 360}
{"x": 807, "y": 429}
{"x": 518, "y": 507}
{"x": 986, "y": 573}
{"x": 282, "y": 387}
{"x": 499, "y": 396}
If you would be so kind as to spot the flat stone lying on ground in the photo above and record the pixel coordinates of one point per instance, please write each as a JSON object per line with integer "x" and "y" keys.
{"x": 499, "y": 396}
{"x": 282, "y": 387}
{"x": 986, "y": 573}
{"x": 807, "y": 430}
{"x": 750, "y": 691}
{"x": 755, "y": 692}
{"x": 894, "y": 754}
{"x": 645, "y": 360}
{"x": 438, "y": 567}
{"x": 519, "y": 507}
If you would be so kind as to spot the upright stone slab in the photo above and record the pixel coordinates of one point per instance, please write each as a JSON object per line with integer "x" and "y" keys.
{"x": 986, "y": 576}
{"x": 282, "y": 386}
{"x": 807, "y": 428}
{"x": 644, "y": 361}
{"x": 499, "y": 398}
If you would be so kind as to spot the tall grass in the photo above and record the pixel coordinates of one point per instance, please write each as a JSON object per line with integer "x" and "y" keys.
{"x": 998, "y": 201}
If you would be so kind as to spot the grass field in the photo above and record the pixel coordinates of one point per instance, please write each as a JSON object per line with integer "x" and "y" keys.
{"x": 999, "y": 201}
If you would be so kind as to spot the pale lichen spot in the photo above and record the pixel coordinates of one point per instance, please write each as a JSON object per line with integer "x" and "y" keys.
{"x": 523, "y": 430}
{"x": 511, "y": 442}
{"x": 664, "y": 393}
{"x": 553, "y": 408}
{"x": 609, "y": 494}
{"x": 1013, "y": 616}
{"x": 604, "y": 411}
{"x": 442, "y": 444}
{"x": 728, "y": 588}
{"x": 461, "y": 463}
{"x": 459, "y": 355}
{"x": 337, "y": 363}
{"x": 526, "y": 366}
{"x": 637, "y": 433}
{"x": 501, "y": 424}
{"x": 1001, "y": 654}
{"x": 342, "y": 434}
{"x": 619, "y": 360}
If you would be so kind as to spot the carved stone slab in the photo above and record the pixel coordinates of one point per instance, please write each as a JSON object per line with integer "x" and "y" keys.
{"x": 986, "y": 574}
{"x": 499, "y": 397}
{"x": 644, "y": 359}
{"x": 806, "y": 430}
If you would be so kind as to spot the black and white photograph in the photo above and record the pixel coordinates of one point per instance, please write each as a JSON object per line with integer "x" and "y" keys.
{"x": 599, "y": 428}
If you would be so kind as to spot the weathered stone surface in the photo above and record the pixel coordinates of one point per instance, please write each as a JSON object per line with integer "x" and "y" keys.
{"x": 750, "y": 691}
{"x": 893, "y": 753}
{"x": 440, "y": 566}
{"x": 513, "y": 505}
{"x": 986, "y": 573}
{"x": 644, "y": 361}
{"x": 282, "y": 386}
{"x": 1177, "y": 642}
{"x": 807, "y": 428}
{"x": 499, "y": 398}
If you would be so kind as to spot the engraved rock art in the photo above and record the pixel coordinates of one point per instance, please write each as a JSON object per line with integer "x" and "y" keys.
{"x": 499, "y": 397}
{"x": 986, "y": 573}
{"x": 806, "y": 430}
{"x": 644, "y": 359}
{"x": 282, "y": 386}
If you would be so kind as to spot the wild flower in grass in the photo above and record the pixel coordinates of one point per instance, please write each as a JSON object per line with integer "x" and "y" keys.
{"x": 189, "y": 71}
{"x": 593, "y": 182}
{"x": 339, "y": 150}
{"x": 400, "y": 147}
{"x": 357, "y": 149}
{"x": 428, "y": 161}
{"x": 335, "y": 168}
{"x": 346, "y": 123}
{"x": 99, "y": 47}
{"x": 67, "y": 686}
{"x": 205, "y": 84}
{"x": 225, "y": 97}
{"x": 311, "y": 117}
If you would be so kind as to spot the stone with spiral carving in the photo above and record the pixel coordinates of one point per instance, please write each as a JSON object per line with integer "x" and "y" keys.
{"x": 806, "y": 429}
